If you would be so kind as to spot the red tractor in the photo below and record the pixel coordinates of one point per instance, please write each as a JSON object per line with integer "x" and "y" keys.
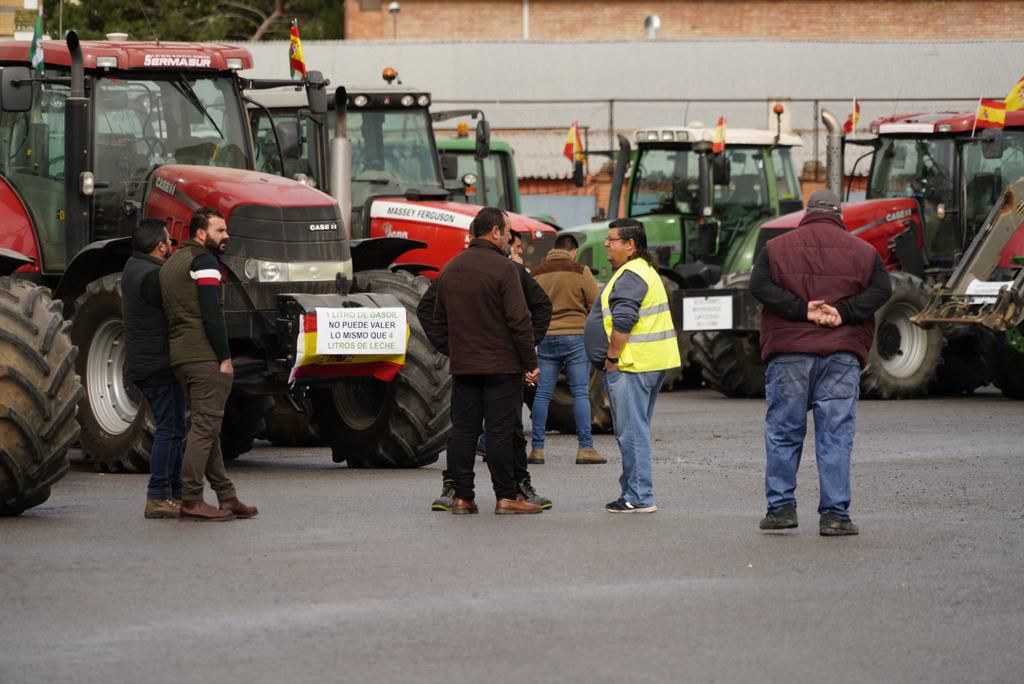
{"x": 113, "y": 132}
{"x": 931, "y": 186}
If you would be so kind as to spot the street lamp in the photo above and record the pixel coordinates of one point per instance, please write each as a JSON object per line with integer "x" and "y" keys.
{"x": 394, "y": 7}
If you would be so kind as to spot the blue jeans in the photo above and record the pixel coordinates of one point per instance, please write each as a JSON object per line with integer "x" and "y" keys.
{"x": 167, "y": 402}
{"x": 796, "y": 384}
{"x": 632, "y": 397}
{"x": 554, "y": 352}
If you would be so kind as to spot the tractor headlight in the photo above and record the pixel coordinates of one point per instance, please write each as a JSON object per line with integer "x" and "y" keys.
{"x": 423, "y": 101}
{"x": 408, "y": 100}
{"x": 259, "y": 271}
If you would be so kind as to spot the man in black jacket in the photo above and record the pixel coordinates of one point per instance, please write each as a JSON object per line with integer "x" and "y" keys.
{"x": 540, "y": 313}
{"x": 148, "y": 364}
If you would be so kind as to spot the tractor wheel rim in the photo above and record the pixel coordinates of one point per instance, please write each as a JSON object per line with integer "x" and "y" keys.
{"x": 109, "y": 398}
{"x": 903, "y": 345}
{"x": 360, "y": 402}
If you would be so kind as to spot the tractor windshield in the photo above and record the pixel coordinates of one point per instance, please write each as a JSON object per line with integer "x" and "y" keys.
{"x": 665, "y": 181}
{"x": 746, "y": 199}
{"x": 392, "y": 151}
{"x": 984, "y": 178}
{"x": 142, "y": 123}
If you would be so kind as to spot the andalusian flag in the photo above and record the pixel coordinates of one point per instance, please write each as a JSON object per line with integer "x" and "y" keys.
{"x": 573, "y": 150}
{"x": 851, "y": 121}
{"x": 35, "y": 52}
{"x": 1015, "y": 100}
{"x": 991, "y": 114}
{"x": 718, "y": 144}
{"x": 296, "y": 62}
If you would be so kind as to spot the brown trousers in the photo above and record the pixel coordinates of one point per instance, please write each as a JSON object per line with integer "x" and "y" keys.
{"x": 207, "y": 390}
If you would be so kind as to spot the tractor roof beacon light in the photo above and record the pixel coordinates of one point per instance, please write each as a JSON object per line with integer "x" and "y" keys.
{"x": 778, "y": 109}
{"x": 390, "y": 75}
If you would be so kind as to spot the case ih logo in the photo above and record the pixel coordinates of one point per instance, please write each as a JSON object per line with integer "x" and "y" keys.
{"x": 176, "y": 61}
{"x": 323, "y": 226}
{"x": 899, "y": 214}
{"x": 165, "y": 185}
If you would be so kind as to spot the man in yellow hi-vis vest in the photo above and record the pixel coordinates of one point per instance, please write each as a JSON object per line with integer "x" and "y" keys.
{"x": 629, "y": 334}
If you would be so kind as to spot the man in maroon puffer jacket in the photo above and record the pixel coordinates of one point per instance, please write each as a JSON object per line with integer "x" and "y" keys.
{"x": 820, "y": 287}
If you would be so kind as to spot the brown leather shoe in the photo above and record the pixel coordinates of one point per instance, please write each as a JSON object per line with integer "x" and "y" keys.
{"x": 464, "y": 507}
{"x": 203, "y": 512}
{"x": 161, "y": 508}
{"x": 536, "y": 457}
{"x": 238, "y": 508}
{"x": 515, "y": 506}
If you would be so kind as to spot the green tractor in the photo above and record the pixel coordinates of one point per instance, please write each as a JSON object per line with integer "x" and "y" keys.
{"x": 490, "y": 181}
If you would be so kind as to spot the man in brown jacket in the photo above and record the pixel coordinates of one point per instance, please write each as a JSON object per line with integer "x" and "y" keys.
{"x": 480, "y": 303}
{"x": 572, "y": 290}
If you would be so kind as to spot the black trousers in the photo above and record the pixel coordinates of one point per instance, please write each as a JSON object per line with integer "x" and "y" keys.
{"x": 496, "y": 402}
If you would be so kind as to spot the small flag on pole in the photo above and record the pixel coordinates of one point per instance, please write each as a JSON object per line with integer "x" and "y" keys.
{"x": 718, "y": 144}
{"x": 1015, "y": 100}
{"x": 853, "y": 119}
{"x": 573, "y": 150}
{"x": 991, "y": 114}
{"x": 296, "y": 62}
{"x": 35, "y": 52}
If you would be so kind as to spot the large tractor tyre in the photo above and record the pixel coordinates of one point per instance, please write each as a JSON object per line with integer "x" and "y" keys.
{"x": 399, "y": 424}
{"x": 39, "y": 392}
{"x": 1008, "y": 365}
{"x": 286, "y": 427}
{"x": 966, "y": 363}
{"x": 243, "y": 421}
{"x": 905, "y": 357}
{"x": 561, "y": 417}
{"x": 731, "y": 362}
{"x": 117, "y": 426}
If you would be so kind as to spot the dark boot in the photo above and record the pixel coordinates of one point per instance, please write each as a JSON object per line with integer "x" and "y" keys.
{"x": 239, "y": 509}
{"x": 780, "y": 519}
{"x": 201, "y": 511}
{"x": 833, "y": 526}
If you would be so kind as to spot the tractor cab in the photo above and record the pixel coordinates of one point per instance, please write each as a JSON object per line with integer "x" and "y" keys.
{"x": 697, "y": 205}
{"x": 954, "y": 178}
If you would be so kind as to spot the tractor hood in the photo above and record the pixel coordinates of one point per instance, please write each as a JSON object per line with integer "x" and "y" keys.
{"x": 444, "y": 226}
{"x": 877, "y": 222}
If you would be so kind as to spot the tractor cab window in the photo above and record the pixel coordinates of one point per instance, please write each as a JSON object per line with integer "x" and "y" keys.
{"x": 491, "y": 188}
{"x": 921, "y": 168}
{"x": 786, "y": 183}
{"x": 392, "y": 151}
{"x": 984, "y": 178}
{"x": 665, "y": 182}
{"x": 32, "y": 160}
{"x": 143, "y": 123}
{"x": 745, "y": 199}
{"x": 295, "y": 133}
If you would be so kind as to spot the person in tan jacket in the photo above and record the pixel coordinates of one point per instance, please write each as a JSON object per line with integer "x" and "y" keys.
{"x": 572, "y": 290}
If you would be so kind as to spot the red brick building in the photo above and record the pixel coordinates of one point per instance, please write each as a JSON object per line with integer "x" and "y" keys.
{"x": 624, "y": 19}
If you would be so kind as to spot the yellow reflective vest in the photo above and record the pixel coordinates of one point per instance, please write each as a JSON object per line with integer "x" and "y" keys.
{"x": 652, "y": 344}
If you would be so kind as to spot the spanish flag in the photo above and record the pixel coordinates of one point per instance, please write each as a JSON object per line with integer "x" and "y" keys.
{"x": 851, "y": 121}
{"x": 310, "y": 365}
{"x": 573, "y": 150}
{"x": 1015, "y": 100}
{"x": 296, "y": 62}
{"x": 991, "y": 114}
{"x": 718, "y": 144}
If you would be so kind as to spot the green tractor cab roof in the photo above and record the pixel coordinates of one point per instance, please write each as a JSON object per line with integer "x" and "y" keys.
{"x": 469, "y": 145}
{"x": 733, "y": 136}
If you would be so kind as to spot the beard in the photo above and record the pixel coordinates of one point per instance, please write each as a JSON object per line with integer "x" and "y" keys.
{"x": 214, "y": 246}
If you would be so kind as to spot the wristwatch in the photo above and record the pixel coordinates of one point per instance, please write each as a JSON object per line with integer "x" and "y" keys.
{"x": 615, "y": 360}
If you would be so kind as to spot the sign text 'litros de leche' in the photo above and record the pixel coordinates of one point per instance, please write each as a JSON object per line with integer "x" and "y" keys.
{"x": 360, "y": 331}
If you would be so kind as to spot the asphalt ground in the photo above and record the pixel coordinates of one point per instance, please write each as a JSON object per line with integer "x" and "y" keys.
{"x": 347, "y": 576}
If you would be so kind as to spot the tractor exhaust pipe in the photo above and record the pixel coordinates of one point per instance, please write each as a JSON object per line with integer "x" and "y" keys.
{"x": 834, "y": 152}
{"x": 618, "y": 177}
{"x": 341, "y": 161}
{"x": 76, "y": 155}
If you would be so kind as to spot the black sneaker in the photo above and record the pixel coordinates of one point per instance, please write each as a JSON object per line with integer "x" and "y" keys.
{"x": 447, "y": 498}
{"x": 830, "y": 525}
{"x": 780, "y": 519}
{"x": 622, "y": 506}
{"x": 531, "y": 495}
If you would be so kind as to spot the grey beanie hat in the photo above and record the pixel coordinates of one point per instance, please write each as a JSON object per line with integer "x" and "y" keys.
{"x": 824, "y": 200}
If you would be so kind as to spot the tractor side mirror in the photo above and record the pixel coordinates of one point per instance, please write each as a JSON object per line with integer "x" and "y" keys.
{"x": 721, "y": 169}
{"x": 991, "y": 143}
{"x": 16, "y": 89}
{"x": 449, "y": 166}
{"x": 316, "y": 92}
{"x": 290, "y": 139}
{"x": 483, "y": 139}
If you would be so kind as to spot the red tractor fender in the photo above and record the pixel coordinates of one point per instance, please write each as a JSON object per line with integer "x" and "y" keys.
{"x": 18, "y": 239}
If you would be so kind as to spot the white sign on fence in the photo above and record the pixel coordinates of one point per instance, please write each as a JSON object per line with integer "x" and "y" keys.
{"x": 707, "y": 313}
{"x": 360, "y": 331}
